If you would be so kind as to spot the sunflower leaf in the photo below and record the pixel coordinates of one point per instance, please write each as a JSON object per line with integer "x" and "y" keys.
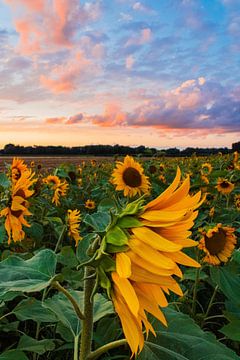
{"x": 127, "y": 222}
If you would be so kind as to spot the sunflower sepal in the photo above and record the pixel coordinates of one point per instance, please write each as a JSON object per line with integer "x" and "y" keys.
{"x": 133, "y": 208}
{"x": 117, "y": 236}
{"x": 113, "y": 249}
{"x": 127, "y": 222}
{"x": 104, "y": 280}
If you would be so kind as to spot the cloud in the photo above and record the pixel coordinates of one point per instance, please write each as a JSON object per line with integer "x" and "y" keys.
{"x": 129, "y": 62}
{"x": 45, "y": 26}
{"x": 195, "y": 106}
{"x": 55, "y": 120}
{"x": 76, "y": 119}
{"x": 143, "y": 37}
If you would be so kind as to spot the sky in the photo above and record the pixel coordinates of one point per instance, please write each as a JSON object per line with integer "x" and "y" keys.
{"x": 159, "y": 73}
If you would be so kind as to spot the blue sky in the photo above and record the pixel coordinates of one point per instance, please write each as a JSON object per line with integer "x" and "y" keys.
{"x": 157, "y": 73}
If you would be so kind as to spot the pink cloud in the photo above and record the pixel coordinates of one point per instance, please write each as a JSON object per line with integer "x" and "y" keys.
{"x": 76, "y": 119}
{"x": 65, "y": 77}
{"x": 55, "y": 120}
{"x": 113, "y": 116}
{"x": 47, "y": 26}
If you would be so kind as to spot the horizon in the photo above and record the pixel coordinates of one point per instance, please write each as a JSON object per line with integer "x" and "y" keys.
{"x": 158, "y": 74}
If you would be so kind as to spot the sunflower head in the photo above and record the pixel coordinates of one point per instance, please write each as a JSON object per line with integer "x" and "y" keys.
{"x": 129, "y": 177}
{"x": 73, "y": 224}
{"x": 224, "y": 186}
{"x": 218, "y": 243}
{"x": 206, "y": 168}
{"x": 52, "y": 180}
{"x": 17, "y": 168}
{"x": 90, "y": 204}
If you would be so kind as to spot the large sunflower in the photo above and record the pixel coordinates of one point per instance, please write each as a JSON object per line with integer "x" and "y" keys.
{"x": 17, "y": 207}
{"x": 224, "y": 186}
{"x": 129, "y": 177}
{"x": 218, "y": 244}
{"x": 60, "y": 188}
{"x": 144, "y": 272}
{"x": 73, "y": 223}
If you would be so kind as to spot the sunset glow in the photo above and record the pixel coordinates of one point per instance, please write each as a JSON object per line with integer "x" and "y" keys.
{"x": 154, "y": 73}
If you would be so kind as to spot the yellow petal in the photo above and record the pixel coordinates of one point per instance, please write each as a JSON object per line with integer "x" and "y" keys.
{"x": 165, "y": 195}
{"x": 128, "y": 293}
{"x": 123, "y": 265}
{"x": 178, "y": 195}
{"x": 141, "y": 275}
{"x": 145, "y": 264}
{"x": 151, "y": 255}
{"x": 163, "y": 216}
{"x": 155, "y": 240}
{"x": 183, "y": 259}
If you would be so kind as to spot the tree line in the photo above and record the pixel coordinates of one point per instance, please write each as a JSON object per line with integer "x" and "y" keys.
{"x": 110, "y": 150}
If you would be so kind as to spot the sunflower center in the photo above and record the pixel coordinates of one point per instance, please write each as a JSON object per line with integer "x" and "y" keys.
{"x": 132, "y": 177}
{"x": 224, "y": 184}
{"x": 21, "y": 193}
{"x": 216, "y": 243}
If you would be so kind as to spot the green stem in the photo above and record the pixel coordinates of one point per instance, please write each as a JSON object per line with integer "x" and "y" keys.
{"x": 112, "y": 345}
{"x": 60, "y": 239}
{"x": 76, "y": 342}
{"x": 195, "y": 292}
{"x": 35, "y": 355}
{"x": 87, "y": 324}
{"x": 5, "y": 315}
{"x": 70, "y": 298}
{"x": 210, "y": 304}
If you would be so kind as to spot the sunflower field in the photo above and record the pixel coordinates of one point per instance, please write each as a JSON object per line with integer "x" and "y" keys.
{"x": 121, "y": 259}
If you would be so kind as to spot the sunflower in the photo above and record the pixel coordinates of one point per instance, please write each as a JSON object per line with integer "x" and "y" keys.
{"x": 235, "y": 157}
{"x": 144, "y": 272}
{"x": 60, "y": 188}
{"x": 90, "y": 204}
{"x": 162, "y": 179}
{"x": 206, "y": 168}
{"x": 218, "y": 244}
{"x": 73, "y": 223}
{"x": 224, "y": 186}
{"x": 18, "y": 167}
{"x": 129, "y": 177}
{"x": 17, "y": 207}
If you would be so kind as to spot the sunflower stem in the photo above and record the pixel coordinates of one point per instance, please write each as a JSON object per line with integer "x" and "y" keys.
{"x": 210, "y": 304}
{"x": 103, "y": 349}
{"x": 194, "y": 303}
{"x": 60, "y": 238}
{"x": 87, "y": 324}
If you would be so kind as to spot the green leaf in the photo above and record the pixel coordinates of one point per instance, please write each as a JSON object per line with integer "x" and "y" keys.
{"x": 65, "y": 313}
{"x": 27, "y": 343}
{"x": 183, "y": 340}
{"x": 83, "y": 246}
{"x": 116, "y": 236}
{"x": 106, "y": 205}
{"x": 67, "y": 257}
{"x": 227, "y": 281}
{"x": 99, "y": 221}
{"x": 127, "y": 222}
{"x": 32, "y": 309}
{"x": 190, "y": 274}
{"x": 232, "y": 330}
{"x": 4, "y": 181}
{"x": 30, "y": 275}
{"x": 35, "y": 231}
{"x": 13, "y": 355}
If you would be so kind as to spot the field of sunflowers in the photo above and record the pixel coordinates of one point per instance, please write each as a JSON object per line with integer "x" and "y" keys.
{"x": 119, "y": 259}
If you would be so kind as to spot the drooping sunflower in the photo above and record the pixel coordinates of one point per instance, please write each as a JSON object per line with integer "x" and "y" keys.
{"x": 129, "y": 177}
{"x": 60, "y": 188}
{"x": 224, "y": 186}
{"x": 144, "y": 272}
{"x": 17, "y": 207}
{"x": 204, "y": 178}
{"x": 73, "y": 223}
{"x": 218, "y": 244}
{"x": 90, "y": 204}
{"x": 18, "y": 167}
